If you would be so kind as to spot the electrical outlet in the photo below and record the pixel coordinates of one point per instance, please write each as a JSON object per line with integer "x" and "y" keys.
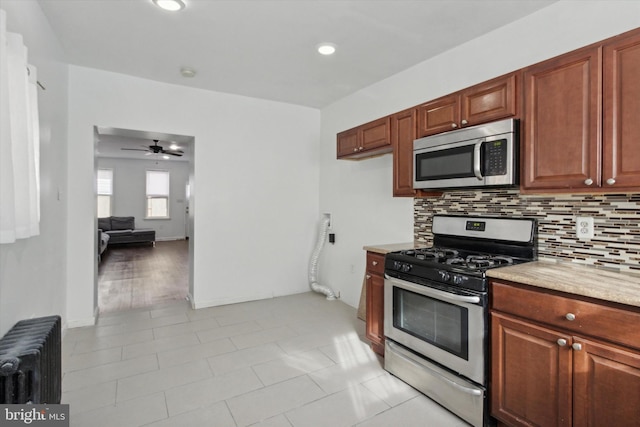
{"x": 584, "y": 227}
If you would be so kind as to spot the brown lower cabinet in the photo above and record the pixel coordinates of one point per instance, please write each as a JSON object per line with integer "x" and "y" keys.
{"x": 375, "y": 301}
{"x": 584, "y": 374}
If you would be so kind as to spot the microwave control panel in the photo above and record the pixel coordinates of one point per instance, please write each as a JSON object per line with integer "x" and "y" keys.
{"x": 495, "y": 157}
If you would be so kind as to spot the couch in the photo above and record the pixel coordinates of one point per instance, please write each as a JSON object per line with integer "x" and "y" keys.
{"x": 122, "y": 229}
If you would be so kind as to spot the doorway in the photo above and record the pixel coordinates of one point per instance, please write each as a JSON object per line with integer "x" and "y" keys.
{"x": 137, "y": 275}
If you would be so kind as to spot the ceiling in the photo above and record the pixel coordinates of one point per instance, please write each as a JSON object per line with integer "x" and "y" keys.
{"x": 267, "y": 49}
{"x": 117, "y": 143}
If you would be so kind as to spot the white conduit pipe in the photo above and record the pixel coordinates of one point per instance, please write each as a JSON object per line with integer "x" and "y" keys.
{"x": 313, "y": 264}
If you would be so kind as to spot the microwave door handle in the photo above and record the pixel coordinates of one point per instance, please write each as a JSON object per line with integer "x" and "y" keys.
{"x": 476, "y": 159}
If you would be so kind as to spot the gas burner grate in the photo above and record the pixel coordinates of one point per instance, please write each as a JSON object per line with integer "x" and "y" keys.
{"x": 476, "y": 262}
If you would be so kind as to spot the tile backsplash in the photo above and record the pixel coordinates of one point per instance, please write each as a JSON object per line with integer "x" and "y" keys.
{"x": 616, "y": 241}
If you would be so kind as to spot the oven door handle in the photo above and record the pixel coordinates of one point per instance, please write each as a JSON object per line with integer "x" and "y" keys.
{"x": 454, "y": 384}
{"x": 427, "y": 291}
{"x": 476, "y": 159}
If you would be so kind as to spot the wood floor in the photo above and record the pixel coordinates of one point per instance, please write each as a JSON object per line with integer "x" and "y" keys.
{"x": 131, "y": 276}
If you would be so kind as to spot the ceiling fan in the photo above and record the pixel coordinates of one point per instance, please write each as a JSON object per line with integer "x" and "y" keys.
{"x": 156, "y": 149}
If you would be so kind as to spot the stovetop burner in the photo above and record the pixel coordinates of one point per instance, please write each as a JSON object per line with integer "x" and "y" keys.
{"x": 432, "y": 254}
{"x": 464, "y": 249}
{"x": 457, "y": 258}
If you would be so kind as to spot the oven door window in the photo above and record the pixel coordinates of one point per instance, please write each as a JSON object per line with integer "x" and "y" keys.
{"x": 445, "y": 164}
{"x": 437, "y": 322}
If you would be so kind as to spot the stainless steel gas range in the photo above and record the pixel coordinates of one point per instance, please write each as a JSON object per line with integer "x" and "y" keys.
{"x": 436, "y": 307}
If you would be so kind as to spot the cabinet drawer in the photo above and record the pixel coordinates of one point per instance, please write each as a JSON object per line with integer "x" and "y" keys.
{"x": 375, "y": 263}
{"x": 608, "y": 323}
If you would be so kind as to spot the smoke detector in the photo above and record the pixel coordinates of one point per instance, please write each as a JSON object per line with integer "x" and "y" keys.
{"x": 187, "y": 72}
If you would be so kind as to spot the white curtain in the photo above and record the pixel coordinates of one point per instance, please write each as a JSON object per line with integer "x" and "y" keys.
{"x": 19, "y": 140}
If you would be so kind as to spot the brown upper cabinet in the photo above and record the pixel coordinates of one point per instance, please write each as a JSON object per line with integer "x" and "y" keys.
{"x": 581, "y": 131}
{"x": 621, "y": 135}
{"x": 403, "y": 132}
{"x": 370, "y": 139}
{"x": 492, "y": 100}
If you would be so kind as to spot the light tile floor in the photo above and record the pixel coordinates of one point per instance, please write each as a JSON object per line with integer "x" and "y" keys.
{"x": 297, "y": 360}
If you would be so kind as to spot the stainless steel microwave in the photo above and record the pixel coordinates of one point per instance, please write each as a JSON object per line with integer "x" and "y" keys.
{"x": 478, "y": 156}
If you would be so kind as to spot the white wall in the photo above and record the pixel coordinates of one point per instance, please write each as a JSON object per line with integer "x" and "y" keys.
{"x": 33, "y": 271}
{"x": 256, "y": 174}
{"x": 129, "y": 193}
{"x": 359, "y": 194}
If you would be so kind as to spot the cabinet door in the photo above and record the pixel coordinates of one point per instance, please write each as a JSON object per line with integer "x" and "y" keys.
{"x": 493, "y": 100}
{"x": 606, "y": 385}
{"x": 439, "y": 115}
{"x": 531, "y": 374}
{"x": 375, "y": 312}
{"x": 348, "y": 142}
{"x": 376, "y": 134}
{"x": 621, "y": 135}
{"x": 403, "y": 132}
{"x": 562, "y": 123}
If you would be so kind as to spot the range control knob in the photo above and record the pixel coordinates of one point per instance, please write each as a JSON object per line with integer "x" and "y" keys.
{"x": 406, "y": 267}
{"x": 458, "y": 279}
{"x": 397, "y": 265}
{"x": 444, "y": 275}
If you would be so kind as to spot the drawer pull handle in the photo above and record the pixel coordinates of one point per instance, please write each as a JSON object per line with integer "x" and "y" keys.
{"x": 561, "y": 342}
{"x": 576, "y": 346}
{"x": 374, "y": 262}
{"x": 368, "y": 276}
{"x": 570, "y": 317}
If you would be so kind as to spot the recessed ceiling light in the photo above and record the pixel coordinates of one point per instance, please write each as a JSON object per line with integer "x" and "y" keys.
{"x": 174, "y": 147}
{"x": 166, "y": 157}
{"x": 326, "y": 48}
{"x": 172, "y": 5}
{"x": 187, "y": 72}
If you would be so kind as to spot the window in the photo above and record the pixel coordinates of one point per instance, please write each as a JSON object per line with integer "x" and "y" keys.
{"x": 105, "y": 192}
{"x": 157, "y": 194}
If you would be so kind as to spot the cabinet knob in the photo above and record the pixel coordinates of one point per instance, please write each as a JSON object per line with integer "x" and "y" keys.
{"x": 570, "y": 317}
{"x": 464, "y": 122}
{"x": 611, "y": 181}
{"x": 368, "y": 276}
{"x": 355, "y": 149}
{"x": 374, "y": 262}
{"x": 453, "y": 125}
{"x": 360, "y": 148}
{"x": 588, "y": 181}
{"x": 561, "y": 342}
{"x": 576, "y": 346}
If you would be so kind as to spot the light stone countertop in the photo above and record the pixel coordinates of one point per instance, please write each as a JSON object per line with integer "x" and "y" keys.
{"x": 623, "y": 288}
{"x": 385, "y": 249}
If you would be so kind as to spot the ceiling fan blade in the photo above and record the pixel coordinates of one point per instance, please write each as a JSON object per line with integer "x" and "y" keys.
{"x": 134, "y": 149}
{"x": 173, "y": 153}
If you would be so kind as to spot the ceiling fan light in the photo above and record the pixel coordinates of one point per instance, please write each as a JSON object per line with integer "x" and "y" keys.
{"x": 170, "y": 5}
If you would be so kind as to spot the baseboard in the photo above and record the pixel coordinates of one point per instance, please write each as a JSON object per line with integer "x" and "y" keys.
{"x": 190, "y": 299}
{"x": 165, "y": 239}
{"x": 225, "y": 301}
{"x": 79, "y": 323}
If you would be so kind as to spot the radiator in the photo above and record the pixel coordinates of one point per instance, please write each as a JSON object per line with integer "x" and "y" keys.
{"x": 30, "y": 362}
